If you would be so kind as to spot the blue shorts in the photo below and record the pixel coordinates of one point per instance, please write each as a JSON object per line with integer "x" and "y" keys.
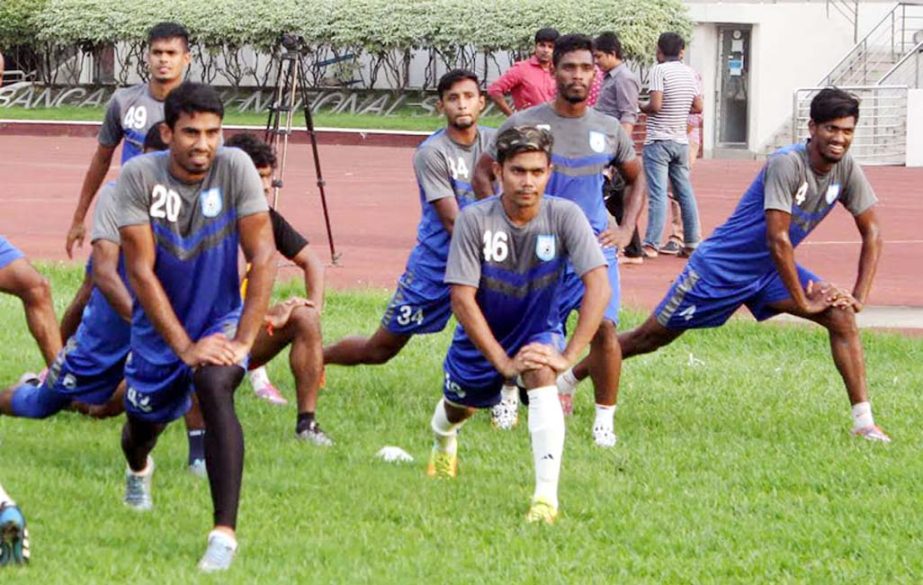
{"x": 161, "y": 393}
{"x": 66, "y": 383}
{"x": 471, "y": 380}
{"x": 692, "y": 303}
{"x": 572, "y": 290}
{"x": 8, "y": 253}
{"x": 419, "y": 305}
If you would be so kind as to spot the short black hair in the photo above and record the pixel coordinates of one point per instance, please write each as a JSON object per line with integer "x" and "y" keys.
{"x": 832, "y": 103}
{"x": 670, "y": 44}
{"x": 153, "y": 140}
{"x": 608, "y": 42}
{"x": 454, "y": 76}
{"x": 168, "y": 30}
{"x": 191, "y": 98}
{"x": 570, "y": 43}
{"x": 260, "y": 153}
{"x": 519, "y": 139}
{"x": 546, "y": 35}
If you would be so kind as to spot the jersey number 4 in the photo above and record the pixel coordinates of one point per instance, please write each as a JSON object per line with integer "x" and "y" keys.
{"x": 166, "y": 203}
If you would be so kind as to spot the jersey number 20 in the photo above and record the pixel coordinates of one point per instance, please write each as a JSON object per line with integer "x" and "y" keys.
{"x": 166, "y": 204}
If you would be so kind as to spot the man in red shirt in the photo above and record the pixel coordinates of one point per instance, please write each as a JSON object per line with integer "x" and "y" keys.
{"x": 529, "y": 82}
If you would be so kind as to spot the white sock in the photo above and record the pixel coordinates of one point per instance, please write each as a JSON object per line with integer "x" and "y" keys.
{"x": 148, "y": 468}
{"x": 509, "y": 392}
{"x": 605, "y": 416}
{"x": 446, "y": 433}
{"x": 5, "y": 497}
{"x": 567, "y": 382}
{"x": 259, "y": 378}
{"x": 546, "y": 426}
{"x": 862, "y": 415}
{"x": 224, "y": 538}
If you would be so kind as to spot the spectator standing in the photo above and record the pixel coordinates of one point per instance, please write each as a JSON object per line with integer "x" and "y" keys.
{"x": 694, "y": 135}
{"x": 674, "y": 94}
{"x": 529, "y": 82}
{"x": 618, "y": 97}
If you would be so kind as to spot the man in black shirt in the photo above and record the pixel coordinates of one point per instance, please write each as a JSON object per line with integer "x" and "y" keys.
{"x": 297, "y": 320}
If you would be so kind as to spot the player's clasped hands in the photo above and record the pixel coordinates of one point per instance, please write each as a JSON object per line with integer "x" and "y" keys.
{"x": 278, "y": 316}
{"x": 215, "y": 350}
{"x": 538, "y": 355}
{"x": 825, "y": 294}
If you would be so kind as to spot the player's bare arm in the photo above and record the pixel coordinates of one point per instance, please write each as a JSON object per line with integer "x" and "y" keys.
{"x": 106, "y": 277}
{"x": 96, "y": 174}
{"x": 633, "y": 175}
{"x": 259, "y": 249}
{"x": 592, "y": 308}
{"x": 140, "y": 253}
{"x": 783, "y": 256}
{"x": 872, "y": 243}
{"x": 483, "y": 181}
{"x": 469, "y": 315}
{"x": 447, "y": 210}
{"x": 314, "y": 276}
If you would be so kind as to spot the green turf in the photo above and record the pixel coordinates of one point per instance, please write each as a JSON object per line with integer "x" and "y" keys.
{"x": 734, "y": 464}
{"x": 401, "y": 120}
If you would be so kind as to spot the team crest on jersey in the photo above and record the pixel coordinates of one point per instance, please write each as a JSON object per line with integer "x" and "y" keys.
{"x": 801, "y": 194}
{"x": 833, "y": 191}
{"x": 597, "y": 141}
{"x": 545, "y": 248}
{"x": 211, "y": 202}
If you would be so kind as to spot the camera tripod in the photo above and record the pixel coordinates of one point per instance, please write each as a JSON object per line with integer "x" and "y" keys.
{"x": 291, "y": 81}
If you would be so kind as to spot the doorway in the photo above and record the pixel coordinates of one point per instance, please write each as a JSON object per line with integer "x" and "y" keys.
{"x": 733, "y": 90}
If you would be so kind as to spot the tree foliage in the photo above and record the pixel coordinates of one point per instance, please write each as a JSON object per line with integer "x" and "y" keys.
{"x": 385, "y": 32}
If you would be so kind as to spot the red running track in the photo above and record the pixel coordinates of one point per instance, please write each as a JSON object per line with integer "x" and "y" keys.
{"x": 374, "y": 208}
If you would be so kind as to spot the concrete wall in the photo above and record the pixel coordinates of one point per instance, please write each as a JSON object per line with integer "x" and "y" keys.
{"x": 793, "y": 44}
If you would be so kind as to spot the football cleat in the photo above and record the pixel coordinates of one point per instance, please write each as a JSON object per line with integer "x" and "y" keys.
{"x": 14, "y": 536}
{"x": 567, "y": 403}
{"x": 566, "y": 395}
{"x": 314, "y": 434}
{"x": 541, "y": 511}
{"x": 219, "y": 554}
{"x": 505, "y": 414}
{"x": 138, "y": 488}
{"x": 270, "y": 394}
{"x": 604, "y": 437}
{"x": 872, "y": 433}
{"x": 442, "y": 464}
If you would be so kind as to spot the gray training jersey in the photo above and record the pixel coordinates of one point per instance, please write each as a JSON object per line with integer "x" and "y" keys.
{"x": 517, "y": 269}
{"x": 443, "y": 169}
{"x": 106, "y": 216}
{"x": 583, "y": 147}
{"x": 131, "y": 112}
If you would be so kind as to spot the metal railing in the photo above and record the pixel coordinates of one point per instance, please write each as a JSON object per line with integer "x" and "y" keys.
{"x": 881, "y": 133}
{"x": 849, "y": 10}
{"x": 908, "y": 71}
{"x": 878, "y": 51}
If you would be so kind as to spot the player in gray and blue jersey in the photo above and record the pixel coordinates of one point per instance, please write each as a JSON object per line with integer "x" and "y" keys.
{"x": 505, "y": 269}
{"x": 444, "y": 167}
{"x": 131, "y": 112}
{"x": 750, "y": 259}
{"x": 585, "y": 143}
{"x": 184, "y": 214}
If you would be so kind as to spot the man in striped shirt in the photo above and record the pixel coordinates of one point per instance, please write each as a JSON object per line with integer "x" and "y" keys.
{"x": 674, "y": 94}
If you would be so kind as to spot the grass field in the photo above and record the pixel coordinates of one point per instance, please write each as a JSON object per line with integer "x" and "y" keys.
{"x": 734, "y": 464}
{"x": 401, "y": 120}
